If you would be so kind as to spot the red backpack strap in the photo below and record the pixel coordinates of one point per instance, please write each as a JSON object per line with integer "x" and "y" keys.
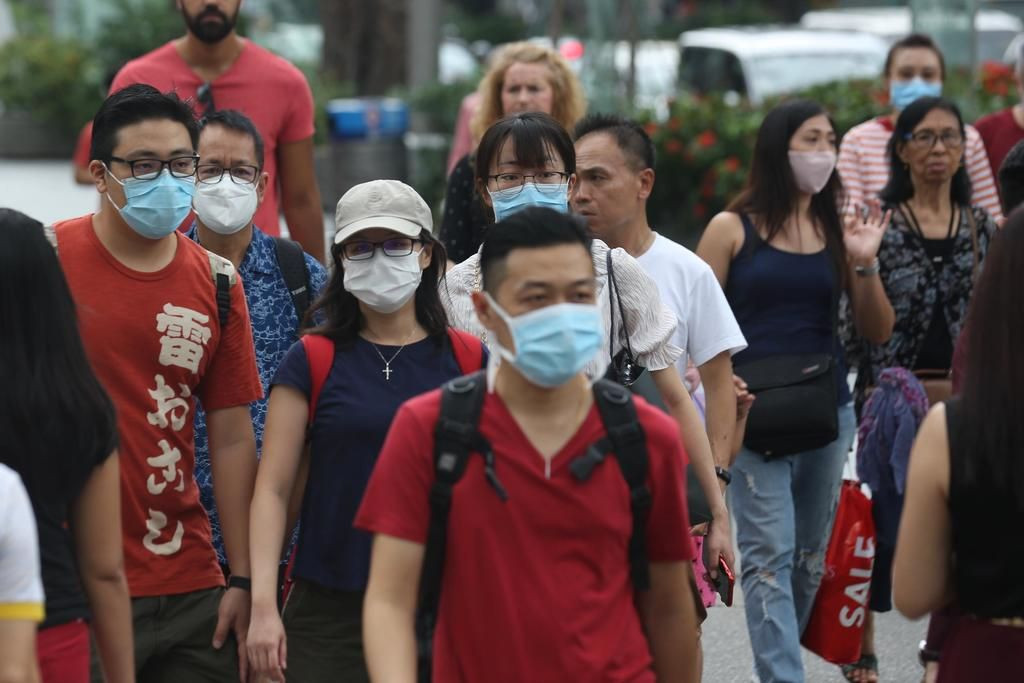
{"x": 320, "y": 356}
{"x": 468, "y": 349}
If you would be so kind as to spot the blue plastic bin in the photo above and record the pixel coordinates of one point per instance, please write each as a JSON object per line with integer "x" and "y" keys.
{"x": 367, "y": 117}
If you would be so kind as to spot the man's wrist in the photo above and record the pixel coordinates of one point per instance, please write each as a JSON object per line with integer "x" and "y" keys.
{"x": 243, "y": 582}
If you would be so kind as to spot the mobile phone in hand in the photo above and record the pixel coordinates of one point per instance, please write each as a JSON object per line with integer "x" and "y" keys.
{"x": 724, "y": 582}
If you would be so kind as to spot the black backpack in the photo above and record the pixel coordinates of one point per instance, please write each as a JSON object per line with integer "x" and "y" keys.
{"x": 456, "y": 436}
{"x": 292, "y": 262}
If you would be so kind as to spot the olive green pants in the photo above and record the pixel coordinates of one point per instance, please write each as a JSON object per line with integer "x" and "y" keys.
{"x": 324, "y": 628}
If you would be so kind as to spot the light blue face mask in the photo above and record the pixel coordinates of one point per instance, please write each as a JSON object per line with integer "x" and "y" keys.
{"x": 507, "y": 202}
{"x": 155, "y": 208}
{"x": 553, "y": 343}
{"x": 903, "y": 93}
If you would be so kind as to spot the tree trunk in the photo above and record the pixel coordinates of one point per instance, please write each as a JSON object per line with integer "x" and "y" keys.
{"x": 364, "y": 43}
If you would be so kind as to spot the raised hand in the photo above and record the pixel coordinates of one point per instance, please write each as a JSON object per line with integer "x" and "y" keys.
{"x": 863, "y": 231}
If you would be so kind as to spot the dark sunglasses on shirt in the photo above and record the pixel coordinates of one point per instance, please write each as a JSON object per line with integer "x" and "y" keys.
{"x": 205, "y": 96}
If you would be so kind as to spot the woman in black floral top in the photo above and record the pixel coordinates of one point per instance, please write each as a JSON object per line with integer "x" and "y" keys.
{"x": 523, "y": 77}
{"x": 927, "y": 263}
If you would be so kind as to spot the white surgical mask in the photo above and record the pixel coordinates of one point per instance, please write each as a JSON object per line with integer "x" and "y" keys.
{"x": 384, "y": 283}
{"x": 225, "y": 207}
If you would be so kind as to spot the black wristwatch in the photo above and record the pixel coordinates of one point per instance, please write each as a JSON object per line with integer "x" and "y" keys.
{"x": 723, "y": 474}
{"x": 242, "y": 582}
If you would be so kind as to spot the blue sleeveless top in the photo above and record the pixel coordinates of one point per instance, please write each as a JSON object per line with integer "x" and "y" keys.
{"x": 783, "y": 302}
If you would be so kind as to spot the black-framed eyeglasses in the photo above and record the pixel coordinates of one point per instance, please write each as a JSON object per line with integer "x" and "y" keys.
{"x": 545, "y": 181}
{"x": 149, "y": 169}
{"x": 242, "y": 174}
{"x": 360, "y": 250}
{"x": 926, "y": 139}
{"x": 204, "y": 94}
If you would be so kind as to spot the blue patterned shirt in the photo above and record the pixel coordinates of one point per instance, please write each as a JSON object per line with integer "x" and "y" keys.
{"x": 274, "y": 330}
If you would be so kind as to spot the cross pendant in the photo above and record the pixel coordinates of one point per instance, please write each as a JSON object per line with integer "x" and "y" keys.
{"x": 387, "y": 372}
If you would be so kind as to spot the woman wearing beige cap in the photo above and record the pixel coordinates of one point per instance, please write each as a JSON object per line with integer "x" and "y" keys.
{"x": 384, "y": 339}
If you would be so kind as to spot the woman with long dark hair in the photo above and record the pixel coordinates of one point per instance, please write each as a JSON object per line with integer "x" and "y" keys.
{"x": 961, "y": 537}
{"x": 387, "y": 340}
{"x": 784, "y": 258}
{"x": 59, "y": 433}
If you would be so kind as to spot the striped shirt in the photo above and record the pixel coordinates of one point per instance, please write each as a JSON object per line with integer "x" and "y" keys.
{"x": 864, "y": 166}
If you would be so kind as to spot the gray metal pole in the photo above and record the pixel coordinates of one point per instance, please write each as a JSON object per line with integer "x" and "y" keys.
{"x": 423, "y": 30}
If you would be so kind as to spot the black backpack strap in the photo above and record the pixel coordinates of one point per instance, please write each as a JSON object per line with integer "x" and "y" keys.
{"x": 223, "y": 298}
{"x": 629, "y": 444}
{"x": 292, "y": 262}
{"x": 455, "y": 438}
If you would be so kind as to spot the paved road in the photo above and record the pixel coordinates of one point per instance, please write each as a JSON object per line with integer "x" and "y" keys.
{"x": 45, "y": 190}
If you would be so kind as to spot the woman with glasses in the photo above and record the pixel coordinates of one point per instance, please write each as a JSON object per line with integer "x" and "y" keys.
{"x": 927, "y": 263}
{"x": 388, "y": 340}
{"x": 914, "y": 68}
{"x": 523, "y": 77}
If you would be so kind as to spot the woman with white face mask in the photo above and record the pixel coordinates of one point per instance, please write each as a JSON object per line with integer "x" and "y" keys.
{"x": 387, "y": 340}
{"x": 783, "y": 258}
{"x": 914, "y": 68}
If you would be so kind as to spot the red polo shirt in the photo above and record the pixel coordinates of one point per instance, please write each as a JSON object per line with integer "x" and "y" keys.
{"x": 536, "y": 588}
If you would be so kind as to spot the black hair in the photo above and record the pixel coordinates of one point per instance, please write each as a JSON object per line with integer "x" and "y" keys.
{"x": 534, "y": 134}
{"x": 1011, "y": 178}
{"x": 900, "y": 187}
{"x": 529, "y": 228}
{"x": 630, "y": 136}
{"x": 56, "y": 421}
{"x": 992, "y": 432}
{"x": 131, "y": 105}
{"x": 235, "y": 120}
{"x": 911, "y": 41}
{"x": 343, "y": 320}
{"x": 771, "y": 191}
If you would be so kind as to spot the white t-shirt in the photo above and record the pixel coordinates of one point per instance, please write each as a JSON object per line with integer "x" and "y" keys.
{"x": 21, "y": 585}
{"x": 690, "y": 289}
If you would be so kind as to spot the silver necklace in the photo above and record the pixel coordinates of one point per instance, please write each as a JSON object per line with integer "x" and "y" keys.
{"x": 388, "y": 361}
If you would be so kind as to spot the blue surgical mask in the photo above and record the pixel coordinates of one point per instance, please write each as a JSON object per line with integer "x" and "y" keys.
{"x": 507, "y": 202}
{"x": 155, "y": 208}
{"x": 903, "y": 93}
{"x": 554, "y": 343}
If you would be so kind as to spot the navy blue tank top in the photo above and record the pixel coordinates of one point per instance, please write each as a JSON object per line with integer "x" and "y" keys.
{"x": 783, "y": 302}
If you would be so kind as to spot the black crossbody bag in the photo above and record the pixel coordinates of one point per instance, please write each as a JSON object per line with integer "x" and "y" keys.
{"x": 796, "y": 399}
{"x": 625, "y": 370}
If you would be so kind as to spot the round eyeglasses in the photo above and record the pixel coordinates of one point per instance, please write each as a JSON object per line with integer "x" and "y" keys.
{"x": 243, "y": 174}
{"x": 360, "y": 250}
{"x": 149, "y": 169}
{"x": 926, "y": 139}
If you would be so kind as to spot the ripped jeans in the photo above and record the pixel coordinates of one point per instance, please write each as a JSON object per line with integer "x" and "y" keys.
{"x": 784, "y": 508}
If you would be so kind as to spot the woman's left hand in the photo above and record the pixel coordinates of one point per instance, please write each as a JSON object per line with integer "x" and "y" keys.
{"x": 863, "y": 231}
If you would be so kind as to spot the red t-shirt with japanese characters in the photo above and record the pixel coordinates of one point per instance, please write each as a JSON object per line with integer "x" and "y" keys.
{"x": 535, "y": 588}
{"x": 155, "y": 342}
{"x": 261, "y": 85}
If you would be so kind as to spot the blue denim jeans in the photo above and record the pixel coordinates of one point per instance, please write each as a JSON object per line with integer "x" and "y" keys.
{"x": 784, "y": 508}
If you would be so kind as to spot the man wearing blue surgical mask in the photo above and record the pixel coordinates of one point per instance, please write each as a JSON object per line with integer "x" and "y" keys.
{"x": 544, "y": 509}
{"x": 165, "y": 322}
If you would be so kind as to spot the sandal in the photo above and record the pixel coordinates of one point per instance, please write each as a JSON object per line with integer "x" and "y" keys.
{"x": 867, "y": 662}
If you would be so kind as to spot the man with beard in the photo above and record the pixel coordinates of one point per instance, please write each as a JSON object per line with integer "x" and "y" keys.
{"x": 215, "y": 68}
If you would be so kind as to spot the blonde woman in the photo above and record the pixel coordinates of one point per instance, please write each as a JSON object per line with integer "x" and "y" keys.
{"x": 523, "y": 77}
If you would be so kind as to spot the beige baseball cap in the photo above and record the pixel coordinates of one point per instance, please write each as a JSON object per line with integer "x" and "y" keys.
{"x": 389, "y": 204}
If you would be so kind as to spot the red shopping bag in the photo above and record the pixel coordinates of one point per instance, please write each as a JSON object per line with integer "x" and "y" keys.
{"x": 841, "y": 606}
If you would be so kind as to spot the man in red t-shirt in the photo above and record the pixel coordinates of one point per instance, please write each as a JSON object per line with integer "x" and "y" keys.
{"x": 216, "y": 68}
{"x": 147, "y": 298}
{"x": 536, "y": 587}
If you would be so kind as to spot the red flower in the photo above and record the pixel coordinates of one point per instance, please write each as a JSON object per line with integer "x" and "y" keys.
{"x": 673, "y": 146}
{"x": 699, "y": 210}
{"x": 651, "y": 128}
{"x": 674, "y": 123}
{"x": 731, "y": 164}
{"x": 707, "y": 138}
